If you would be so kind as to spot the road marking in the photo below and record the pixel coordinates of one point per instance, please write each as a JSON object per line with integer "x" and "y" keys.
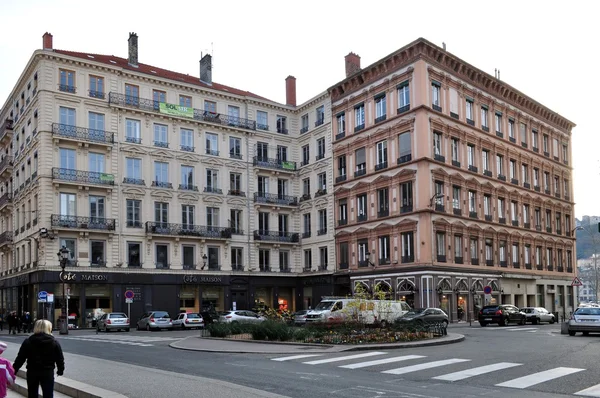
{"x": 540, "y": 377}
{"x": 522, "y": 329}
{"x": 593, "y": 391}
{"x": 465, "y": 374}
{"x": 295, "y": 357}
{"x": 338, "y": 359}
{"x": 428, "y": 365}
{"x": 381, "y": 361}
{"x": 108, "y": 341}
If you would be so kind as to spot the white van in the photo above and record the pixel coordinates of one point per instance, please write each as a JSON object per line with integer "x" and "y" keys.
{"x": 367, "y": 311}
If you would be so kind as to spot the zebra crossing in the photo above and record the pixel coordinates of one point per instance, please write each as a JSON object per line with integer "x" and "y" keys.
{"x": 123, "y": 339}
{"x": 443, "y": 366}
{"x": 513, "y": 329}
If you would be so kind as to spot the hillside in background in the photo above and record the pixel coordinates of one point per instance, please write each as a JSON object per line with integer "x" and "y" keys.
{"x": 588, "y": 236}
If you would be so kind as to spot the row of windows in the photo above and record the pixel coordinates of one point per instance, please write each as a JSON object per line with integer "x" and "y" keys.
{"x": 518, "y": 171}
{"x": 558, "y": 149}
{"x": 320, "y": 152}
{"x": 383, "y": 254}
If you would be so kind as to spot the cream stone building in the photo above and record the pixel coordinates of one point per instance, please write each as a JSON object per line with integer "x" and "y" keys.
{"x": 191, "y": 194}
{"x": 452, "y": 188}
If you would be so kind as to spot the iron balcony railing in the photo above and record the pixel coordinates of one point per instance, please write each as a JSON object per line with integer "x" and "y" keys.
{"x": 90, "y": 177}
{"x": 6, "y": 237}
{"x": 135, "y": 181}
{"x": 96, "y": 223}
{"x": 7, "y": 126}
{"x": 188, "y": 187}
{"x": 82, "y": 133}
{"x": 277, "y": 236}
{"x": 5, "y": 199}
{"x": 5, "y": 163}
{"x": 262, "y": 197}
{"x": 270, "y": 163}
{"x": 198, "y": 114}
{"x": 162, "y": 184}
{"x": 162, "y": 228}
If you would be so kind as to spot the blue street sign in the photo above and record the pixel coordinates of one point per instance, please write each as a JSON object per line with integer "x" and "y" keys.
{"x": 43, "y": 296}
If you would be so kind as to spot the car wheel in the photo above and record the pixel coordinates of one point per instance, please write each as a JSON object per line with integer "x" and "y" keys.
{"x": 182, "y": 326}
{"x": 503, "y": 322}
{"x": 552, "y": 320}
{"x": 483, "y": 324}
{"x": 105, "y": 329}
{"x": 534, "y": 321}
{"x": 147, "y": 328}
{"x": 571, "y": 333}
{"x": 522, "y": 322}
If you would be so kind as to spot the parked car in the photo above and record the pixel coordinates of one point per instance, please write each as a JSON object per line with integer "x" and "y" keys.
{"x": 240, "y": 316}
{"x": 155, "y": 320}
{"x": 113, "y": 321}
{"x": 209, "y": 316}
{"x": 189, "y": 321}
{"x": 585, "y": 320}
{"x": 502, "y": 314}
{"x": 300, "y": 317}
{"x": 425, "y": 315}
{"x": 537, "y": 315}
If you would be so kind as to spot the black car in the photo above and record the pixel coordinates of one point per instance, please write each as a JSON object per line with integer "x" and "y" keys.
{"x": 502, "y": 314}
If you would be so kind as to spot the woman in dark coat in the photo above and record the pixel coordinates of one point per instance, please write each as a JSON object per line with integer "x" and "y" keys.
{"x": 42, "y": 352}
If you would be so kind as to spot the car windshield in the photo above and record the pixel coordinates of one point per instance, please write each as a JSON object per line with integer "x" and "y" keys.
{"x": 161, "y": 314}
{"x": 527, "y": 310}
{"x": 416, "y": 311}
{"x": 324, "y": 305}
{"x": 117, "y": 315}
{"x": 193, "y": 316}
{"x": 588, "y": 311}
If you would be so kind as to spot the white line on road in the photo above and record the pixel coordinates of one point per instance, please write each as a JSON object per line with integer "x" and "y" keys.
{"x": 522, "y": 329}
{"x": 428, "y": 365}
{"x": 381, "y": 361}
{"x": 295, "y": 357}
{"x": 540, "y": 377}
{"x": 338, "y": 359}
{"x": 465, "y": 374}
{"x": 593, "y": 391}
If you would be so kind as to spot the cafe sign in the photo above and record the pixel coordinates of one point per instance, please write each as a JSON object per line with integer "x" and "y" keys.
{"x": 202, "y": 279}
{"x": 72, "y": 277}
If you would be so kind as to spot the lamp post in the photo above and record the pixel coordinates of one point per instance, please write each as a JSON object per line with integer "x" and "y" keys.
{"x": 63, "y": 257}
{"x": 204, "y": 260}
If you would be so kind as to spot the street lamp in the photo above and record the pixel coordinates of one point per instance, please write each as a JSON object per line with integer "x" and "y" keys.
{"x": 435, "y": 197}
{"x": 204, "y": 259}
{"x": 367, "y": 255}
{"x": 63, "y": 257}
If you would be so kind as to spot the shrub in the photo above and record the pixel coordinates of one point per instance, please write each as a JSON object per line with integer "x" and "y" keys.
{"x": 301, "y": 334}
{"x": 219, "y": 329}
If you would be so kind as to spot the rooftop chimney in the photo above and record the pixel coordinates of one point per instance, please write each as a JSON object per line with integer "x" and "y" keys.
{"x": 47, "y": 41}
{"x": 352, "y": 64}
{"x": 290, "y": 90}
{"x": 133, "y": 49}
{"x": 206, "y": 69}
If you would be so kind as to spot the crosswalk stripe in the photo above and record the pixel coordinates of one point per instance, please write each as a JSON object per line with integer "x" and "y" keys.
{"x": 381, "y": 361}
{"x": 465, "y": 374}
{"x": 427, "y": 365}
{"x": 521, "y": 329}
{"x": 295, "y": 357}
{"x": 593, "y": 391}
{"x": 338, "y": 359}
{"x": 111, "y": 341}
{"x": 540, "y": 377}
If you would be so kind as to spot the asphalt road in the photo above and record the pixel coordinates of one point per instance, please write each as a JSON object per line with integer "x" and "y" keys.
{"x": 529, "y": 361}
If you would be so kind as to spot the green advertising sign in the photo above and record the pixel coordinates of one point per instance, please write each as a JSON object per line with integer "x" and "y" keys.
{"x": 176, "y": 110}
{"x": 289, "y": 165}
{"x": 107, "y": 177}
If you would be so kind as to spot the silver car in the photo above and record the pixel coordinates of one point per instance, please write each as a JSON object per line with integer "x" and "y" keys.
{"x": 300, "y": 317}
{"x": 537, "y": 315}
{"x": 585, "y": 320}
{"x": 189, "y": 321}
{"x": 240, "y": 316}
{"x": 113, "y": 321}
{"x": 155, "y": 320}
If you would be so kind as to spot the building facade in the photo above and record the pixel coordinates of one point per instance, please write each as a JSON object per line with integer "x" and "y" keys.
{"x": 452, "y": 188}
{"x": 190, "y": 193}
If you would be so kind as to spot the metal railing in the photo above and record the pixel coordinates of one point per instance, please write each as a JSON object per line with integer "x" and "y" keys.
{"x": 277, "y": 236}
{"x": 271, "y": 163}
{"x": 90, "y": 177}
{"x": 82, "y": 133}
{"x": 161, "y": 228}
{"x": 271, "y": 198}
{"x": 95, "y": 223}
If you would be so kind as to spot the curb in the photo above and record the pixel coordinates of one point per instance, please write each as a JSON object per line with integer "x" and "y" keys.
{"x": 456, "y": 338}
{"x": 69, "y": 387}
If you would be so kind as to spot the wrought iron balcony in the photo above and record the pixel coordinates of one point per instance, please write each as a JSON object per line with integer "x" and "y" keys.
{"x": 82, "y": 133}
{"x": 342, "y": 221}
{"x": 406, "y": 209}
{"x": 150, "y": 105}
{"x": 458, "y": 260}
{"x": 383, "y": 213}
{"x": 320, "y": 192}
{"x": 319, "y": 121}
{"x": 133, "y": 140}
{"x": 6, "y": 238}
{"x": 282, "y": 130}
{"x": 474, "y": 261}
{"x": 187, "y": 148}
{"x": 306, "y": 235}
{"x": 188, "y": 187}
{"x": 319, "y": 157}
{"x": 404, "y": 159}
{"x": 234, "y": 155}
{"x": 322, "y": 231}
{"x": 361, "y": 217}
{"x": 5, "y": 200}
{"x": 6, "y": 164}
{"x": 381, "y": 166}
{"x": 189, "y": 266}
{"x": 322, "y": 267}
{"x": 305, "y": 197}
{"x": 303, "y": 129}
{"x": 163, "y": 228}
{"x": 96, "y": 94}
{"x": 162, "y": 184}
{"x": 340, "y": 178}
{"x": 6, "y": 130}
{"x": 277, "y": 164}
{"x": 340, "y": 135}
{"x": 134, "y": 181}
{"x": 403, "y": 109}
{"x": 161, "y": 144}
{"x": 271, "y": 198}
{"x": 359, "y": 127}
{"x": 277, "y": 236}
{"x": 360, "y": 172}
{"x": 262, "y": 126}
{"x": 78, "y": 222}
{"x": 87, "y": 177}
{"x": 343, "y": 265}
{"x": 212, "y": 152}
{"x": 236, "y": 192}
{"x": 439, "y": 158}
{"x": 215, "y": 190}
{"x": 67, "y": 88}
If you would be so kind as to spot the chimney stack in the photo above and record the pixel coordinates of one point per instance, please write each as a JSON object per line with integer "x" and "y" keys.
{"x": 133, "y": 49}
{"x": 290, "y": 90}
{"x": 47, "y": 41}
{"x": 206, "y": 69}
{"x": 352, "y": 64}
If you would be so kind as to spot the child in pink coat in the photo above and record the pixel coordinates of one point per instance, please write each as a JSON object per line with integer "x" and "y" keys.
{"x": 7, "y": 373}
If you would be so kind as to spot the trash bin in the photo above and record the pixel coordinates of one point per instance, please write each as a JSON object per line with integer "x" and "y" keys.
{"x": 556, "y": 316}
{"x": 564, "y": 328}
{"x": 63, "y": 325}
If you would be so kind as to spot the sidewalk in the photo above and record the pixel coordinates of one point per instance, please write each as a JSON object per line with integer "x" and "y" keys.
{"x": 211, "y": 344}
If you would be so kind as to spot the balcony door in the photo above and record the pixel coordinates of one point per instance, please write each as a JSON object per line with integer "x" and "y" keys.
{"x": 213, "y": 257}
{"x": 97, "y": 207}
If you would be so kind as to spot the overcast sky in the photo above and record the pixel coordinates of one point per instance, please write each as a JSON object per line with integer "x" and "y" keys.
{"x": 545, "y": 49}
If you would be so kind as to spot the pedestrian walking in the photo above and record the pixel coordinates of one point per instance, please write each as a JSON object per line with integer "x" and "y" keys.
{"x": 42, "y": 352}
{"x": 7, "y": 373}
{"x": 27, "y": 322}
{"x": 1, "y": 321}
{"x": 12, "y": 322}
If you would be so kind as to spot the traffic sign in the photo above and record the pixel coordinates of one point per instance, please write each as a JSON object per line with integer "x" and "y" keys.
{"x": 50, "y": 298}
{"x": 487, "y": 290}
{"x": 128, "y": 300}
{"x": 42, "y": 296}
{"x": 576, "y": 282}
{"x": 129, "y": 294}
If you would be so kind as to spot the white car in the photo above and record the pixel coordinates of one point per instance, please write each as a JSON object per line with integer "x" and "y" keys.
{"x": 240, "y": 316}
{"x": 537, "y": 315}
{"x": 189, "y": 321}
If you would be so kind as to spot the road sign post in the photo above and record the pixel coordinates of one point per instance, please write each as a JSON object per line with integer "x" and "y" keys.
{"x": 129, "y": 295}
